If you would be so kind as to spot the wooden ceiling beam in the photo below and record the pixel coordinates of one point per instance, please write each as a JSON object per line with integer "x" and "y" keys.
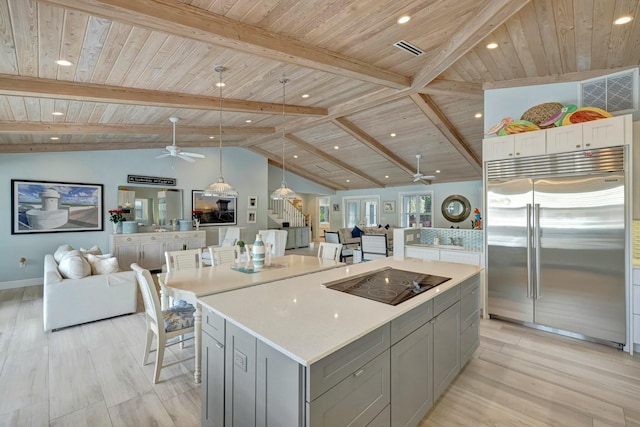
{"x": 372, "y": 143}
{"x": 49, "y": 147}
{"x": 458, "y": 89}
{"x": 184, "y": 20}
{"x": 555, "y": 78}
{"x": 105, "y": 129}
{"x": 276, "y": 160}
{"x": 491, "y": 15}
{"x": 299, "y": 142}
{"x": 446, "y": 128}
{"x": 43, "y": 88}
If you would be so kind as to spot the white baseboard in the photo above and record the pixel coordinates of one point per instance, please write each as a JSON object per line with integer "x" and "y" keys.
{"x": 21, "y": 283}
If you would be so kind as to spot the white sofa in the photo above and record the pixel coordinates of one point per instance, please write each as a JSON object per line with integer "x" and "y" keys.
{"x": 70, "y": 302}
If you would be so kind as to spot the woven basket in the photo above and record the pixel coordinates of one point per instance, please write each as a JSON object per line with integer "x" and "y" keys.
{"x": 541, "y": 112}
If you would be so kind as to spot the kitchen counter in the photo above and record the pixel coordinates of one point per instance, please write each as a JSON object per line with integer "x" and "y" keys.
{"x": 306, "y": 321}
{"x": 444, "y": 247}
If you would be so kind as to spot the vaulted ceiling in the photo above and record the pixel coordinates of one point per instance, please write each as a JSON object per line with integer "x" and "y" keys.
{"x": 135, "y": 63}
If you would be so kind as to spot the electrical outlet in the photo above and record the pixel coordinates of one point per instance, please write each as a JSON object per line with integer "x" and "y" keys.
{"x": 240, "y": 359}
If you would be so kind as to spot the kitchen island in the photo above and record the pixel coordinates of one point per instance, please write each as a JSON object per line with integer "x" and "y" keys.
{"x": 297, "y": 353}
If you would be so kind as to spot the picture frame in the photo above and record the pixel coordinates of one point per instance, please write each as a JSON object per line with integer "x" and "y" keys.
{"x": 252, "y": 202}
{"x": 389, "y": 206}
{"x": 55, "y": 207}
{"x": 216, "y": 210}
{"x": 336, "y": 207}
{"x": 251, "y": 217}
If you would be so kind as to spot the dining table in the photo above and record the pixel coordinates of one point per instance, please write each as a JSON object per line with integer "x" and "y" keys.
{"x": 191, "y": 284}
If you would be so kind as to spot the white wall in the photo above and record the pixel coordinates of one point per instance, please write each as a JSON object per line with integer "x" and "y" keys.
{"x": 245, "y": 170}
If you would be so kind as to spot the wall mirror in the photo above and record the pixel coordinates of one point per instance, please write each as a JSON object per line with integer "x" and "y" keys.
{"x": 148, "y": 205}
{"x": 456, "y": 208}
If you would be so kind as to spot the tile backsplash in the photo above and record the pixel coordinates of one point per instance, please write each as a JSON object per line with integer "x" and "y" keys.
{"x": 472, "y": 239}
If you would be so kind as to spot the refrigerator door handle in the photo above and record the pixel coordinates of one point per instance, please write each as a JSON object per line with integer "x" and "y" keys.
{"x": 536, "y": 228}
{"x": 529, "y": 269}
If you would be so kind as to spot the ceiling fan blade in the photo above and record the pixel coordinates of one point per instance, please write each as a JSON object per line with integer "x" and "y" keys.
{"x": 417, "y": 178}
{"x": 197, "y": 155}
{"x": 187, "y": 158}
{"x": 163, "y": 155}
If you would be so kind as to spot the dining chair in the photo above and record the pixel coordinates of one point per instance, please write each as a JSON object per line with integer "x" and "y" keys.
{"x": 177, "y": 321}
{"x": 329, "y": 251}
{"x": 180, "y": 260}
{"x": 373, "y": 246}
{"x": 334, "y": 237}
{"x": 222, "y": 254}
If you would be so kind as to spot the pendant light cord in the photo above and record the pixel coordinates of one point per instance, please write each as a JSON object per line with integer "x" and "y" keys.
{"x": 221, "y": 70}
{"x": 284, "y": 82}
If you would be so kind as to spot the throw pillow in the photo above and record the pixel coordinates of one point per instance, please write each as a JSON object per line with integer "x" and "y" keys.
{"x": 74, "y": 266}
{"x": 356, "y": 232}
{"x": 61, "y": 252}
{"x": 95, "y": 250}
{"x": 103, "y": 264}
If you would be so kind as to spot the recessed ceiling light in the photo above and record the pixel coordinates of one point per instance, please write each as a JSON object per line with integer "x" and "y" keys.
{"x": 57, "y": 113}
{"x": 211, "y": 137}
{"x": 392, "y": 135}
{"x": 64, "y": 62}
{"x": 54, "y": 138}
{"x": 220, "y": 84}
{"x": 386, "y": 176}
{"x": 478, "y": 115}
{"x": 348, "y": 180}
{"x": 404, "y": 19}
{"x": 623, "y": 20}
{"x": 306, "y": 95}
{"x": 248, "y": 121}
{"x": 335, "y": 147}
{"x": 438, "y": 171}
{"x": 492, "y": 45}
{"x": 295, "y": 156}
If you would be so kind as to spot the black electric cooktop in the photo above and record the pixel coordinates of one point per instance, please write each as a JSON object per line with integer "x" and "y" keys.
{"x": 389, "y": 285}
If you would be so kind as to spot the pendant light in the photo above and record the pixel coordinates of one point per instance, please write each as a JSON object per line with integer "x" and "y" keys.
{"x": 283, "y": 193}
{"x": 220, "y": 188}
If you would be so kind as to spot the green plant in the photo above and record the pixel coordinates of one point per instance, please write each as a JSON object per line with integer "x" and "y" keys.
{"x": 240, "y": 244}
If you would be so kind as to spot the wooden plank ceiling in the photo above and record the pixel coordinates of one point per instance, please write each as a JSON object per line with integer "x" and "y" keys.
{"x": 137, "y": 63}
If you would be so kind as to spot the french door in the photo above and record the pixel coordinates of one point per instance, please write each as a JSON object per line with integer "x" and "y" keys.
{"x": 361, "y": 211}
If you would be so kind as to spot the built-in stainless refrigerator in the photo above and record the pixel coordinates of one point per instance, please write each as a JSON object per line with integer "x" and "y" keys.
{"x": 555, "y": 232}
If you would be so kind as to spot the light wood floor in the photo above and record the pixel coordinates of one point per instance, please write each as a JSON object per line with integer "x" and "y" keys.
{"x": 91, "y": 375}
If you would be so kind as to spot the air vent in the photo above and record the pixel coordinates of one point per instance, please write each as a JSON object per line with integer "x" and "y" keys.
{"x": 616, "y": 93}
{"x": 409, "y": 48}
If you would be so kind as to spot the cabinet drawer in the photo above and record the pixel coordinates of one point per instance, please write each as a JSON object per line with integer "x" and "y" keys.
{"x": 409, "y": 322}
{"x": 383, "y": 419}
{"x": 357, "y": 399}
{"x": 469, "y": 303}
{"x": 213, "y": 324}
{"x": 446, "y": 300}
{"x": 469, "y": 340}
{"x": 326, "y": 373}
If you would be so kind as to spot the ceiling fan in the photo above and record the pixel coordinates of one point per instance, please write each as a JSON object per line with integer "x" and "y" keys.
{"x": 175, "y": 151}
{"x": 418, "y": 176}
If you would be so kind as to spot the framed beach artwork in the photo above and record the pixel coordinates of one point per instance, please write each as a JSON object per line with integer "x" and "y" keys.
{"x": 251, "y": 217}
{"x": 389, "y": 206}
{"x": 54, "y": 207}
{"x": 215, "y": 210}
{"x": 252, "y": 202}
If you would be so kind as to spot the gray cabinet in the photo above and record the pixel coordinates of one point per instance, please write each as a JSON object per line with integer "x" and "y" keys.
{"x": 469, "y": 318}
{"x": 412, "y": 377}
{"x": 240, "y": 377}
{"x": 212, "y": 392}
{"x": 446, "y": 348}
{"x": 297, "y": 237}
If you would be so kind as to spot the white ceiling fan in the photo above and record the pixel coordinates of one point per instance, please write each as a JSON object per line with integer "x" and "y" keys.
{"x": 418, "y": 176}
{"x": 175, "y": 151}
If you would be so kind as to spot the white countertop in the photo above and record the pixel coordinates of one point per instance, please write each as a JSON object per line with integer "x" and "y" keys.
{"x": 444, "y": 247}
{"x": 306, "y": 321}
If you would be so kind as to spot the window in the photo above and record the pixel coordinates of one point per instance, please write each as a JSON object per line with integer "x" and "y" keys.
{"x": 323, "y": 210}
{"x": 361, "y": 211}
{"x": 417, "y": 208}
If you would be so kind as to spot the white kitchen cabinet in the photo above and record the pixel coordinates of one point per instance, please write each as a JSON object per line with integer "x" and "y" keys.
{"x": 427, "y": 254}
{"x": 147, "y": 249}
{"x": 462, "y": 257}
{"x": 601, "y": 133}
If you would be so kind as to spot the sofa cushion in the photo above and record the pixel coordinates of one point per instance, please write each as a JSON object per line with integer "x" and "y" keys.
{"x": 74, "y": 266}
{"x": 356, "y": 232}
{"x": 103, "y": 264}
{"x": 94, "y": 250}
{"x": 61, "y": 252}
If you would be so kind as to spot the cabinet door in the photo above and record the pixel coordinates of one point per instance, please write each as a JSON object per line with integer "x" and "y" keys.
{"x": 291, "y": 238}
{"x": 280, "y": 389}
{"x": 564, "y": 139}
{"x": 500, "y": 147}
{"x": 422, "y": 253}
{"x": 412, "y": 377}
{"x": 529, "y": 144}
{"x": 603, "y": 133}
{"x": 239, "y": 377}
{"x": 212, "y": 391}
{"x": 152, "y": 253}
{"x": 127, "y": 252}
{"x": 446, "y": 348}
